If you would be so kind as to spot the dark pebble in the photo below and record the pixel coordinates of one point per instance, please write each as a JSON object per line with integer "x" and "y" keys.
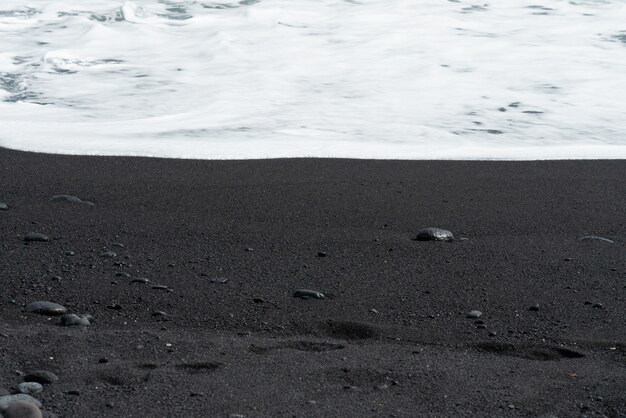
{"x": 308, "y": 294}
{"x": 126, "y": 275}
{"x": 598, "y": 306}
{"x": 46, "y": 308}
{"x": 103, "y": 360}
{"x": 117, "y": 244}
{"x": 534, "y": 307}
{"x": 160, "y": 287}
{"x": 159, "y": 314}
{"x": 4, "y": 206}
{"x": 41, "y": 376}
{"x": 115, "y": 307}
{"x": 220, "y": 280}
{"x": 140, "y": 280}
{"x": 108, "y": 254}
{"x": 36, "y": 237}
{"x": 70, "y": 199}
{"x": 434, "y": 234}
{"x": 322, "y": 254}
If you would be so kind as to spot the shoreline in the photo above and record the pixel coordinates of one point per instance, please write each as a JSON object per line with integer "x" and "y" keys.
{"x": 390, "y": 339}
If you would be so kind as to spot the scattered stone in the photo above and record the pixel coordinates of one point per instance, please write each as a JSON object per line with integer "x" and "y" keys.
{"x": 69, "y": 253}
{"x": 36, "y": 237}
{"x": 220, "y": 280}
{"x": 434, "y": 234}
{"x": 481, "y": 326}
{"x": 140, "y": 280}
{"x": 159, "y": 314}
{"x": 69, "y": 320}
{"x": 46, "y": 308}
{"x": 473, "y": 314}
{"x": 5, "y": 401}
{"x": 115, "y": 307}
{"x": 598, "y": 306}
{"x": 41, "y": 376}
{"x": 22, "y": 409}
{"x": 73, "y": 392}
{"x": 161, "y": 287}
{"x": 595, "y": 238}
{"x": 4, "y": 206}
{"x": 534, "y": 307}
{"x": 126, "y": 275}
{"x": 70, "y": 199}
{"x": 308, "y": 294}
{"x": 108, "y": 254}
{"x": 322, "y": 254}
{"x": 30, "y": 388}
{"x": 117, "y": 244}
{"x": 493, "y": 333}
{"x": 103, "y": 360}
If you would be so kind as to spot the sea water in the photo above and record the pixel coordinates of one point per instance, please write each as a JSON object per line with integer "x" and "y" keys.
{"x": 231, "y": 79}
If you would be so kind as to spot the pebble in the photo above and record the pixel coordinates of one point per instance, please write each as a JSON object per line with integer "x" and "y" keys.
{"x": 308, "y": 294}
{"x": 117, "y": 244}
{"x": 161, "y": 287}
{"x": 595, "y": 238}
{"x": 36, "y": 237}
{"x": 30, "y": 388}
{"x": 126, "y": 275}
{"x": 22, "y": 409}
{"x": 220, "y": 280}
{"x": 140, "y": 280}
{"x": 46, "y": 308}
{"x": 5, "y": 401}
{"x": 69, "y": 320}
{"x": 534, "y": 307}
{"x": 70, "y": 199}
{"x": 4, "y": 206}
{"x": 41, "y": 376}
{"x": 108, "y": 254}
{"x": 473, "y": 314}
{"x": 322, "y": 254}
{"x": 434, "y": 234}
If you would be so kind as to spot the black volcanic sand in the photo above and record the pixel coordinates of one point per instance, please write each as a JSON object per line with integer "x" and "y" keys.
{"x": 390, "y": 339}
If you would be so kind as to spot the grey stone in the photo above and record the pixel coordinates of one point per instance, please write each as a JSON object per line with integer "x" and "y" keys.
{"x": 41, "y": 376}
{"x": 36, "y": 237}
{"x": 473, "y": 314}
{"x": 73, "y": 319}
{"x": 5, "y": 401}
{"x": 30, "y": 388}
{"x": 108, "y": 254}
{"x": 4, "y": 392}
{"x": 140, "y": 280}
{"x": 308, "y": 294}
{"x": 70, "y": 199}
{"x": 4, "y": 206}
{"x": 220, "y": 280}
{"x": 22, "y": 409}
{"x": 434, "y": 234}
{"x": 46, "y": 308}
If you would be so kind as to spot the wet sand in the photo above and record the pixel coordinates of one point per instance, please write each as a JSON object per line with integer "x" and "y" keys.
{"x": 391, "y": 337}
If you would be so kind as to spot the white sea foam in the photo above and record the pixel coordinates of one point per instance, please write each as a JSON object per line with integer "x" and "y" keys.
{"x": 410, "y": 79}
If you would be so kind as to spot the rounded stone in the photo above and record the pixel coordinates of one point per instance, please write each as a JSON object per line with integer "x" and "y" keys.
{"x": 4, "y": 206}
{"x": 6, "y": 401}
{"x": 36, "y": 237}
{"x": 41, "y": 376}
{"x": 46, "y": 308}
{"x": 70, "y": 199}
{"x": 434, "y": 234}
{"x": 74, "y": 320}
{"x": 30, "y": 388}
{"x": 473, "y": 314}
{"x": 22, "y": 409}
{"x": 308, "y": 294}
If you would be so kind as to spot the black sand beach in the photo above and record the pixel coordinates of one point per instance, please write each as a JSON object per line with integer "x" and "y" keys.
{"x": 391, "y": 338}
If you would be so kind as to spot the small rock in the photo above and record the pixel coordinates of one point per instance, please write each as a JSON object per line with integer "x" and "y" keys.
{"x": 160, "y": 287}
{"x": 103, "y": 360}
{"x": 46, "y": 308}
{"x": 473, "y": 314}
{"x": 22, "y": 409}
{"x": 36, "y": 237}
{"x": 70, "y": 199}
{"x": 5, "y": 401}
{"x": 41, "y": 376}
{"x": 108, "y": 254}
{"x": 220, "y": 280}
{"x": 117, "y": 244}
{"x": 598, "y": 306}
{"x": 69, "y": 320}
{"x": 159, "y": 314}
{"x": 534, "y": 307}
{"x": 493, "y": 333}
{"x": 434, "y": 234}
{"x": 308, "y": 294}
{"x": 115, "y": 307}
{"x": 120, "y": 274}
{"x": 69, "y": 253}
{"x": 73, "y": 392}
{"x": 30, "y": 388}
{"x": 140, "y": 280}
{"x": 322, "y": 254}
{"x": 4, "y": 206}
